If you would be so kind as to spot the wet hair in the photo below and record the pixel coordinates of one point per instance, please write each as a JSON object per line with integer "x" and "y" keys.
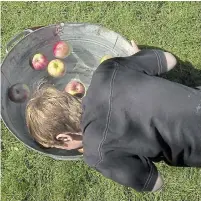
{"x": 50, "y": 112}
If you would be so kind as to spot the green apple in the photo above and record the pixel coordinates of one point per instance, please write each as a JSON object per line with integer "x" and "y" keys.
{"x": 56, "y": 68}
{"x": 106, "y": 57}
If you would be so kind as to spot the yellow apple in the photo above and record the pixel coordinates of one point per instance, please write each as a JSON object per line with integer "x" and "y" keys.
{"x": 56, "y": 68}
{"x": 106, "y": 57}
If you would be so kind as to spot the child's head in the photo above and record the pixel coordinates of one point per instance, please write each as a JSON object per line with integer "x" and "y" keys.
{"x": 53, "y": 118}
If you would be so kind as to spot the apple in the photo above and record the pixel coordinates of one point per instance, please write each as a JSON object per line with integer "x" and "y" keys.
{"x": 75, "y": 88}
{"x": 61, "y": 49}
{"x": 56, "y": 68}
{"x": 81, "y": 150}
{"x": 18, "y": 93}
{"x": 39, "y": 62}
{"x": 105, "y": 58}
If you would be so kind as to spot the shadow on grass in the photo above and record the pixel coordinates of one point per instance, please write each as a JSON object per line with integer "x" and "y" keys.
{"x": 184, "y": 73}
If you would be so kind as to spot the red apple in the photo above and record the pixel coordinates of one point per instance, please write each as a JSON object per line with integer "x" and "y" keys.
{"x": 75, "y": 88}
{"x": 105, "y": 58}
{"x": 18, "y": 93}
{"x": 61, "y": 49}
{"x": 39, "y": 62}
{"x": 56, "y": 68}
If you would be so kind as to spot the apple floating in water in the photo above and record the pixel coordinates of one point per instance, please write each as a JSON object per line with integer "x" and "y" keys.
{"x": 39, "y": 62}
{"x": 61, "y": 49}
{"x": 106, "y": 57}
{"x": 75, "y": 88}
{"x": 81, "y": 150}
{"x": 18, "y": 93}
{"x": 56, "y": 68}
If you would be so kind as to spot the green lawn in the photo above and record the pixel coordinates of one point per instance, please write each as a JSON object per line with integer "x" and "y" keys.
{"x": 173, "y": 26}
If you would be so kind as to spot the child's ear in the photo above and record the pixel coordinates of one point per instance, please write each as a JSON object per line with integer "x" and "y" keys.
{"x": 64, "y": 137}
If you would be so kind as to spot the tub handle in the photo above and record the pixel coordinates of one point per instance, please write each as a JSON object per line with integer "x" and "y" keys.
{"x": 19, "y": 35}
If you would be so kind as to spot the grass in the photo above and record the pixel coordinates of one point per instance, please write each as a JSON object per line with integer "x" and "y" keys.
{"x": 173, "y": 26}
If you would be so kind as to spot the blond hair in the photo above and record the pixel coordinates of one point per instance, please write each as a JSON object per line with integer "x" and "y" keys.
{"x": 50, "y": 112}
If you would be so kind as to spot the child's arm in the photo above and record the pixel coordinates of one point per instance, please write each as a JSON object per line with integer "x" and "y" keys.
{"x": 132, "y": 171}
{"x": 169, "y": 58}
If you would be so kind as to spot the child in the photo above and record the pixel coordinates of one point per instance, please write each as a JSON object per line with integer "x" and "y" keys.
{"x": 129, "y": 119}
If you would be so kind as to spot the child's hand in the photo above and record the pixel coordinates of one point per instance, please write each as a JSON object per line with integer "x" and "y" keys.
{"x": 135, "y": 47}
{"x": 159, "y": 184}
